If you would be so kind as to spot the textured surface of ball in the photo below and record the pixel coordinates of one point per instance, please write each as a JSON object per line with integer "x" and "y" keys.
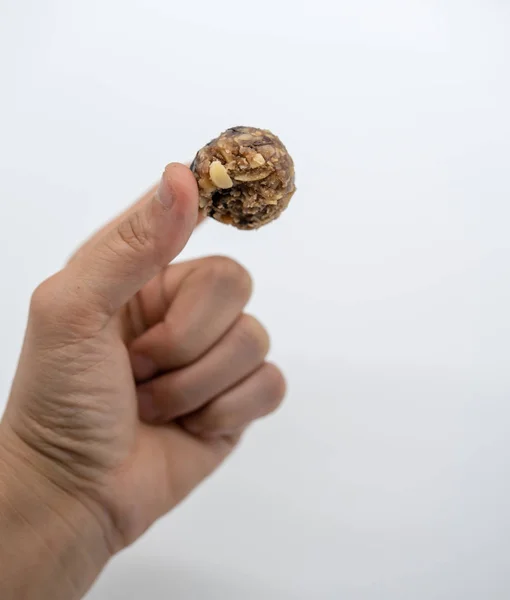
{"x": 245, "y": 177}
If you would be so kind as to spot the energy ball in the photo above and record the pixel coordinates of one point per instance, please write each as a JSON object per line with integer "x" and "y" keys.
{"x": 245, "y": 177}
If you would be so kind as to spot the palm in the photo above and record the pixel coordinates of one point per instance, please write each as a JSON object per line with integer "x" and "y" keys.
{"x": 154, "y": 467}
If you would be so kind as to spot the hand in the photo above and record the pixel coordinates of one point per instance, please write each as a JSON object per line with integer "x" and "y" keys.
{"x": 136, "y": 378}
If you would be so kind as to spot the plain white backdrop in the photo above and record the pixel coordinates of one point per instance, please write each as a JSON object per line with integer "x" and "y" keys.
{"x": 386, "y": 285}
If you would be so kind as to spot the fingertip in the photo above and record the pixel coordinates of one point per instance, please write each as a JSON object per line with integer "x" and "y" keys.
{"x": 179, "y": 183}
{"x": 178, "y": 195}
{"x": 278, "y": 381}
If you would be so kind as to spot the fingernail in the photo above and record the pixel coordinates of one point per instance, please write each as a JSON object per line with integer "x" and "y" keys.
{"x": 147, "y": 409}
{"x": 143, "y": 366}
{"x": 165, "y": 192}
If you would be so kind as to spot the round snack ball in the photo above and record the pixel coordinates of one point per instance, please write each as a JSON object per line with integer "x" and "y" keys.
{"x": 245, "y": 177}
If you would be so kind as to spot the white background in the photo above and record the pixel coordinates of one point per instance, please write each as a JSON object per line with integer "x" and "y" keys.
{"x": 385, "y": 286}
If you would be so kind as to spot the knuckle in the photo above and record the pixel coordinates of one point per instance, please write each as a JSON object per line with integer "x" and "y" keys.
{"x": 51, "y": 301}
{"x": 58, "y": 306}
{"x": 229, "y": 274}
{"x": 275, "y": 387}
{"x": 43, "y": 298}
{"x": 253, "y": 336}
{"x": 134, "y": 232}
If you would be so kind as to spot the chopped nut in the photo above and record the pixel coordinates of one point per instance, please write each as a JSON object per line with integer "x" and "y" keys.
{"x": 267, "y": 151}
{"x": 257, "y": 161}
{"x": 226, "y": 155}
{"x": 219, "y": 176}
{"x": 206, "y": 184}
{"x": 251, "y": 176}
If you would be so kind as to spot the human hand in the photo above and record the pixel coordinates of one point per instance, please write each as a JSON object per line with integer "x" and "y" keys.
{"x": 136, "y": 379}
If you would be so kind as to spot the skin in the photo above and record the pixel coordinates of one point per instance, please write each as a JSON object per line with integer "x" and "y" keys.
{"x": 136, "y": 380}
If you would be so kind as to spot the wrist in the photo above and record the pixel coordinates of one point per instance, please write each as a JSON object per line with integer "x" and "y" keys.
{"x": 52, "y": 544}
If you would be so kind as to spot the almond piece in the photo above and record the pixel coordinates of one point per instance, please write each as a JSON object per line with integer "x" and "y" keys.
{"x": 219, "y": 176}
{"x": 257, "y": 161}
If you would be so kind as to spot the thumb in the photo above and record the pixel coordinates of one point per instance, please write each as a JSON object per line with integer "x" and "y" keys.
{"x": 110, "y": 272}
